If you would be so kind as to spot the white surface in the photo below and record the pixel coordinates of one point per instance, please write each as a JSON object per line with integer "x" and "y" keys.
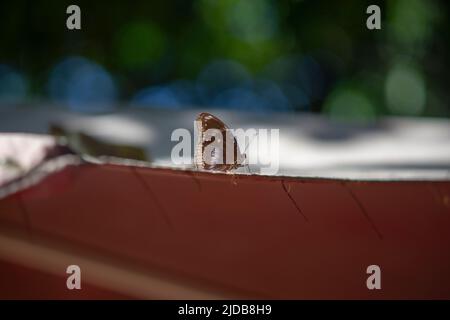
{"x": 19, "y": 153}
{"x": 310, "y": 145}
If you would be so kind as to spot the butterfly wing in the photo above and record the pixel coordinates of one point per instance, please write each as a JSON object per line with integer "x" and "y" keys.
{"x": 206, "y": 121}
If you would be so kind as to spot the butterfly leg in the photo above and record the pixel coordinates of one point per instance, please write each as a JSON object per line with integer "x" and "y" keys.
{"x": 233, "y": 178}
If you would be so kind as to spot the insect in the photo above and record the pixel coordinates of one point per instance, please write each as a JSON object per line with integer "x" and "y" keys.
{"x": 214, "y": 157}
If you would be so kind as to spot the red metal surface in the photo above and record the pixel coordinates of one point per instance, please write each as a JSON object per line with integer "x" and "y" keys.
{"x": 247, "y": 236}
{"x": 19, "y": 282}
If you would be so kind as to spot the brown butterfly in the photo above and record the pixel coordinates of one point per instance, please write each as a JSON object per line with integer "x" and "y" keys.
{"x": 208, "y": 157}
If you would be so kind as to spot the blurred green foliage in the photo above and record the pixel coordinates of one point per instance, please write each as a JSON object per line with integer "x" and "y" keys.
{"x": 352, "y": 73}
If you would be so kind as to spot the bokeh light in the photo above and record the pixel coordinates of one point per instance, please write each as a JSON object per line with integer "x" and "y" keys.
{"x": 179, "y": 94}
{"x": 412, "y": 20}
{"x": 405, "y": 91}
{"x": 219, "y": 76}
{"x": 252, "y": 21}
{"x": 350, "y": 104}
{"x": 244, "y": 31}
{"x": 83, "y": 85}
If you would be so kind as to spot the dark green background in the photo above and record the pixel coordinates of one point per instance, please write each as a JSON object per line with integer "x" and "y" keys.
{"x": 318, "y": 55}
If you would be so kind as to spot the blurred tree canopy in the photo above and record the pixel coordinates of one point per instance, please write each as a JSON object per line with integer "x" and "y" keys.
{"x": 258, "y": 55}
